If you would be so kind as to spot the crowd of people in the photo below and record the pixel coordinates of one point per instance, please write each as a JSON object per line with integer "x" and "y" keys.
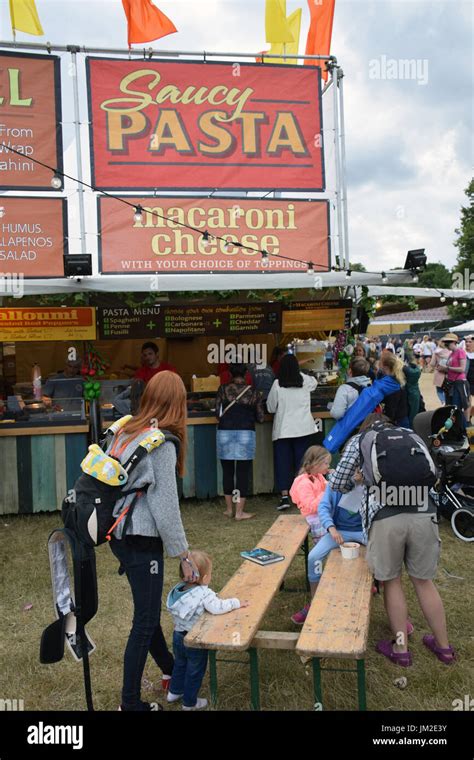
{"x": 381, "y": 391}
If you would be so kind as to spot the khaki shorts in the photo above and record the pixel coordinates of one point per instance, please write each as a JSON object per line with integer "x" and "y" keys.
{"x": 404, "y": 538}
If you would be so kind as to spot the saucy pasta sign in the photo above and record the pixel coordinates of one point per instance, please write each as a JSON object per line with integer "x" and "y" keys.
{"x": 238, "y": 230}
{"x": 168, "y": 125}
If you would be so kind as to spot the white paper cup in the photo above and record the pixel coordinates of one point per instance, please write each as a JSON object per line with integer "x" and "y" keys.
{"x": 350, "y": 550}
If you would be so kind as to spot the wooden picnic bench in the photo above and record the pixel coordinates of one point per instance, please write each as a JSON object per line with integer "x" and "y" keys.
{"x": 238, "y": 631}
{"x": 337, "y": 624}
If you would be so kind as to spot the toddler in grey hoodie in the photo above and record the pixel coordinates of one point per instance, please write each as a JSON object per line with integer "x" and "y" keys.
{"x": 187, "y": 602}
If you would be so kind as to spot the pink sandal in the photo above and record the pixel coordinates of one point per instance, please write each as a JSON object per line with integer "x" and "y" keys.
{"x": 385, "y": 647}
{"x": 446, "y": 656}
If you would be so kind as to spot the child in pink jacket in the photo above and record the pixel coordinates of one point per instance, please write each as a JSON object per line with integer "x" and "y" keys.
{"x": 309, "y": 486}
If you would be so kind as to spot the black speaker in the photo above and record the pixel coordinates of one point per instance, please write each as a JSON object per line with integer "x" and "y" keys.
{"x": 363, "y": 318}
{"x": 77, "y": 265}
{"x": 415, "y": 259}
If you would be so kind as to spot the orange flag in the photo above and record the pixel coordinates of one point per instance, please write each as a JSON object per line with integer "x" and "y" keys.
{"x": 320, "y": 31}
{"x": 145, "y": 22}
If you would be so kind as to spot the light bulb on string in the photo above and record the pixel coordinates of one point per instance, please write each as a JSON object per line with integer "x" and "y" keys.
{"x": 310, "y": 269}
{"x": 455, "y": 303}
{"x": 384, "y": 277}
{"x": 443, "y": 298}
{"x": 415, "y": 278}
{"x": 464, "y": 304}
{"x": 378, "y": 305}
{"x": 348, "y": 274}
{"x": 56, "y": 182}
{"x": 265, "y": 261}
{"x": 138, "y": 215}
{"x": 205, "y": 239}
{"x": 2, "y": 211}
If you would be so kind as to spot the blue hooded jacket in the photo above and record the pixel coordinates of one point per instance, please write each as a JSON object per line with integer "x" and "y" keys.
{"x": 365, "y": 404}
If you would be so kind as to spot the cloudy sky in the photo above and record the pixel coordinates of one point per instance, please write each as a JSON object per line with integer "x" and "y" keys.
{"x": 409, "y": 139}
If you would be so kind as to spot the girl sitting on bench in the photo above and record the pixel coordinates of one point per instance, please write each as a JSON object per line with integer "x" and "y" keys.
{"x": 309, "y": 486}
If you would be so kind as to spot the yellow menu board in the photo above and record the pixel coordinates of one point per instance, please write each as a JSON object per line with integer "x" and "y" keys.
{"x": 52, "y": 323}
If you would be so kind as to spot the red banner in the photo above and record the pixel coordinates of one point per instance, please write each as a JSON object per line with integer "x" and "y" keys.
{"x": 297, "y": 229}
{"x": 30, "y": 118}
{"x": 158, "y": 124}
{"x": 33, "y": 236}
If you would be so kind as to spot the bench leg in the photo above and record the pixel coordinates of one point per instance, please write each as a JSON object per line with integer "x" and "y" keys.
{"x": 361, "y": 685}
{"x": 306, "y": 553}
{"x": 254, "y": 679}
{"x": 213, "y": 677}
{"x": 318, "y": 692}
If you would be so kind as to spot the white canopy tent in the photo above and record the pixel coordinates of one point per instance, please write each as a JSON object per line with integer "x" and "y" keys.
{"x": 465, "y": 326}
{"x": 155, "y": 281}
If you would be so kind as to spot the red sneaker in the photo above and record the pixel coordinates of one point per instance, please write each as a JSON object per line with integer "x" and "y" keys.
{"x": 300, "y": 616}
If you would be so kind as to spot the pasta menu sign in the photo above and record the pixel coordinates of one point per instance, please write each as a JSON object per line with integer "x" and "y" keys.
{"x": 30, "y": 119}
{"x": 169, "y": 125}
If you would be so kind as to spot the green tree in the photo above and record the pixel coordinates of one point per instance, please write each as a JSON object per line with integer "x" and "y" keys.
{"x": 435, "y": 276}
{"x": 465, "y": 259}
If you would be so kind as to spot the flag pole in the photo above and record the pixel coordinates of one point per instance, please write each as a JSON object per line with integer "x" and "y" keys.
{"x": 340, "y": 239}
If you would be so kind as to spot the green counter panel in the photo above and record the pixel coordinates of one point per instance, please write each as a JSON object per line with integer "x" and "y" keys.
{"x": 38, "y": 470}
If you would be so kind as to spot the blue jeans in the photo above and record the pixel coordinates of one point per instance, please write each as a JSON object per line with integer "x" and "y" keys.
{"x": 189, "y": 669}
{"x": 441, "y": 395}
{"x": 322, "y": 549}
{"x": 142, "y": 561}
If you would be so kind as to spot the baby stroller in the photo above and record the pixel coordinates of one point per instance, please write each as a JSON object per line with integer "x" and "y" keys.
{"x": 443, "y": 432}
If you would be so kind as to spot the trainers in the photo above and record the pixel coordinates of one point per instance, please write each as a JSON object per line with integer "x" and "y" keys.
{"x": 201, "y": 704}
{"x": 284, "y": 504}
{"x": 170, "y": 697}
{"x": 300, "y": 616}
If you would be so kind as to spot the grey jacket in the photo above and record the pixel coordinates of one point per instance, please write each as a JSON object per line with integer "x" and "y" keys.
{"x": 346, "y": 396}
{"x": 156, "y": 512}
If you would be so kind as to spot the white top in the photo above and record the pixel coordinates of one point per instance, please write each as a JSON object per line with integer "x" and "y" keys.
{"x": 187, "y": 607}
{"x": 390, "y": 347}
{"x": 417, "y": 348}
{"x": 292, "y": 409}
{"x": 428, "y": 348}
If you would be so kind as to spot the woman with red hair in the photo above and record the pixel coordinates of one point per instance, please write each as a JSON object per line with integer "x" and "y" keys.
{"x": 155, "y": 523}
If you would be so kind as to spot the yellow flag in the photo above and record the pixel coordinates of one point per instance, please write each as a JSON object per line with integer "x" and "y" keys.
{"x": 277, "y": 28}
{"x": 289, "y": 48}
{"x": 24, "y": 17}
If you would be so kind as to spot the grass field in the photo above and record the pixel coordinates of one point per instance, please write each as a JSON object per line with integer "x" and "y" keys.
{"x": 286, "y": 684}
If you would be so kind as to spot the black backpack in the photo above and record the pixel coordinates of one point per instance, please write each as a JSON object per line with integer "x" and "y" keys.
{"x": 395, "y": 456}
{"x": 87, "y": 514}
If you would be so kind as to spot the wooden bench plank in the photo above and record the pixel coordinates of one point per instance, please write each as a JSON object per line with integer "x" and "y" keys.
{"x": 337, "y": 624}
{"x": 275, "y": 640}
{"x": 255, "y": 584}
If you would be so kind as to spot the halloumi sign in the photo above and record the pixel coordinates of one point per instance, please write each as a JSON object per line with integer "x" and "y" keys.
{"x": 187, "y": 125}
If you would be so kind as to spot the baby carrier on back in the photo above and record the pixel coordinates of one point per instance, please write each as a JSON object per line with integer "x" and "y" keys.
{"x": 87, "y": 514}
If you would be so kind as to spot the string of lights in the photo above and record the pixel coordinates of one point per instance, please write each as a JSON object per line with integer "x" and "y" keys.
{"x": 206, "y": 236}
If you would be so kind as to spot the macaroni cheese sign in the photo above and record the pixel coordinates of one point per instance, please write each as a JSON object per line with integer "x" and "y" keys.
{"x": 30, "y": 119}
{"x": 159, "y": 243}
{"x": 168, "y": 125}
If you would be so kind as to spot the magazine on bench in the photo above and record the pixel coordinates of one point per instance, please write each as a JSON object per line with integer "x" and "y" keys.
{"x": 262, "y": 556}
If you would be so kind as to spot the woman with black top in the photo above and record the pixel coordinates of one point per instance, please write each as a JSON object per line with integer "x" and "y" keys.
{"x": 395, "y": 405}
{"x": 238, "y": 406}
